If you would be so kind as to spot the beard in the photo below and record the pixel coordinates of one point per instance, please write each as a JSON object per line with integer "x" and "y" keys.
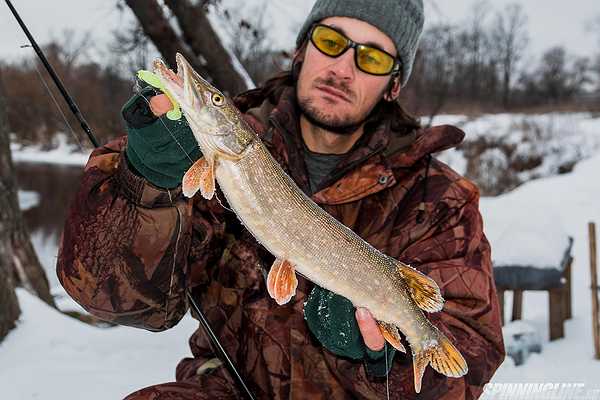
{"x": 341, "y": 125}
{"x": 327, "y": 122}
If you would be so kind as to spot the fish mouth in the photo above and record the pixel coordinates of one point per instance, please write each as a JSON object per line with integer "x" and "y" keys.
{"x": 188, "y": 88}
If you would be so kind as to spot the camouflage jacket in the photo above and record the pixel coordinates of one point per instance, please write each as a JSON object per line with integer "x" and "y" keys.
{"x": 130, "y": 251}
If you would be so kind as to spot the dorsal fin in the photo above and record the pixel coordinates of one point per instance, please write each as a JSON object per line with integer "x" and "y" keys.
{"x": 423, "y": 290}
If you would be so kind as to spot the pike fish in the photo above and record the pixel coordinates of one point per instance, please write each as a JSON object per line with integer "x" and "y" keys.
{"x": 303, "y": 237}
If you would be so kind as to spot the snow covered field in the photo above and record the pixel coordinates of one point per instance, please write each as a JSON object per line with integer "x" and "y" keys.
{"x": 51, "y": 356}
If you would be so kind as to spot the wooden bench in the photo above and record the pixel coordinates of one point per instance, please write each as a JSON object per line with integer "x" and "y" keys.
{"x": 559, "y": 297}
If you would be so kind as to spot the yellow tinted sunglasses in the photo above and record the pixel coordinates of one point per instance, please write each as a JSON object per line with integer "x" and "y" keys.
{"x": 368, "y": 59}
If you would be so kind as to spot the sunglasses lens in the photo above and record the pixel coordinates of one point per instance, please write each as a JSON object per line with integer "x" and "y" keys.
{"x": 374, "y": 61}
{"x": 329, "y": 41}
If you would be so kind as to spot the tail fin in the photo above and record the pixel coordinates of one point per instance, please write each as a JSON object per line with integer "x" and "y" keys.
{"x": 443, "y": 357}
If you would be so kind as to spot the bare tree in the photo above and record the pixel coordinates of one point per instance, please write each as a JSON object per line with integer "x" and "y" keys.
{"x": 437, "y": 66}
{"x": 248, "y": 33}
{"x": 23, "y": 264}
{"x": 509, "y": 40}
{"x": 594, "y": 28}
{"x": 552, "y": 73}
{"x": 9, "y": 306}
{"x": 129, "y": 50}
{"x": 476, "y": 42}
{"x": 198, "y": 41}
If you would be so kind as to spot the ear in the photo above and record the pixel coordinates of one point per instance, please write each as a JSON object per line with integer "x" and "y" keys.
{"x": 394, "y": 90}
{"x": 299, "y": 53}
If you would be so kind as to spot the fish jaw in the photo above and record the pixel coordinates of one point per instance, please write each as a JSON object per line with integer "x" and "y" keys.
{"x": 181, "y": 85}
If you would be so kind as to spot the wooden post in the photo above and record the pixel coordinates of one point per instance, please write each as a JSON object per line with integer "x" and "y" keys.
{"x": 517, "y": 306}
{"x": 593, "y": 267}
{"x": 556, "y": 307}
{"x": 500, "y": 294}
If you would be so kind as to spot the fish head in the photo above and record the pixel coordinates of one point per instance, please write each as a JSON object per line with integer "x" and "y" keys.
{"x": 217, "y": 124}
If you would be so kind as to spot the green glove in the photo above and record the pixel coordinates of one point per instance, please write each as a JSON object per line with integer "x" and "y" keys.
{"x": 159, "y": 149}
{"x": 331, "y": 318}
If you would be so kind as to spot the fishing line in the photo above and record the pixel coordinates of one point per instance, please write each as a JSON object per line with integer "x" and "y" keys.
{"x": 55, "y": 102}
{"x": 219, "y": 200}
{"x": 387, "y": 372}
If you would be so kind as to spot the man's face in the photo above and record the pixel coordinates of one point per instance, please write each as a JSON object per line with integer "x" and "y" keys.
{"x": 333, "y": 91}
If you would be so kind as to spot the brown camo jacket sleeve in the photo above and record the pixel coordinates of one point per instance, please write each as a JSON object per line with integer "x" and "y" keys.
{"x": 452, "y": 249}
{"x": 123, "y": 253}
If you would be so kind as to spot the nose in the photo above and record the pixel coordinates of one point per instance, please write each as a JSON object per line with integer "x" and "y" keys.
{"x": 343, "y": 67}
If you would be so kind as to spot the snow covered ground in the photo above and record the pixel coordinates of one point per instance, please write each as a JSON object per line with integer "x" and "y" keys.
{"x": 571, "y": 201}
{"x": 52, "y": 356}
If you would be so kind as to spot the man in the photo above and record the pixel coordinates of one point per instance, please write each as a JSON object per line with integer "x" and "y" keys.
{"x": 133, "y": 245}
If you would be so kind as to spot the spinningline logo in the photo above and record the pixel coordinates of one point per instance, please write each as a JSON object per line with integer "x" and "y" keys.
{"x": 539, "y": 391}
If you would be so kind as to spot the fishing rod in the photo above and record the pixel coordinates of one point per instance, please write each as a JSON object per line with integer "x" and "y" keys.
{"x": 220, "y": 350}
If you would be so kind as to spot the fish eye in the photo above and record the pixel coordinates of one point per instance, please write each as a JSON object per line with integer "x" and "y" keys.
{"x": 218, "y": 100}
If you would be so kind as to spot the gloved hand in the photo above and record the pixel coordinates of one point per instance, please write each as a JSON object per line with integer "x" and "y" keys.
{"x": 158, "y": 149}
{"x": 331, "y": 318}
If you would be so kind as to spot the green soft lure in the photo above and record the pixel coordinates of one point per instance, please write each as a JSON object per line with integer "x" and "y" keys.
{"x": 154, "y": 81}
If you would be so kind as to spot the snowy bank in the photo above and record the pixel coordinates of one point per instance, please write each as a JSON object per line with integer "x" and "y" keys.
{"x": 63, "y": 153}
{"x": 502, "y": 151}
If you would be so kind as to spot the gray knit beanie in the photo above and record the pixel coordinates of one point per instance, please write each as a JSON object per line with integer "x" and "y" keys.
{"x": 401, "y": 20}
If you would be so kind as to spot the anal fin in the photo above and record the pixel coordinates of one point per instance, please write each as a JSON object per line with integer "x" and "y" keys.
{"x": 282, "y": 281}
{"x": 392, "y": 335}
{"x": 200, "y": 176}
{"x": 423, "y": 290}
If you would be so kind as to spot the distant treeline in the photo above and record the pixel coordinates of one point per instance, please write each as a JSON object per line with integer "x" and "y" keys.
{"x": 485, "y": 65}
{"x": 98, "y": 90}
{"x": 482, "y": 65}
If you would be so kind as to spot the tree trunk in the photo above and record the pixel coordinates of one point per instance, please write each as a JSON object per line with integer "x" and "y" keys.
{"x": 158, "y": 29}
{"x": 199, "y": 34}
{"x": 506, "y": 88}
{"x": 21, "y": 258}
{"x": 200, "y": 45}
{"x": 9, "y": 306}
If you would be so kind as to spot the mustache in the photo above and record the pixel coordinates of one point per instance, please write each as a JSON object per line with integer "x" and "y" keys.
{"x": 339, "y": 85}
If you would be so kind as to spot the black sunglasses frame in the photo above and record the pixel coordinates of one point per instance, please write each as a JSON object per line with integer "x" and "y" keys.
{"x": 351, "y": 44}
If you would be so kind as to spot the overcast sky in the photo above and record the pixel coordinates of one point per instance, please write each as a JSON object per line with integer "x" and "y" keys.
{"x": 551, "y": 22}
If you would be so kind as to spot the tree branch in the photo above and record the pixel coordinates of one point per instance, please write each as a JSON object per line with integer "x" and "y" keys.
{"x": 203, "y": 40}
{"x": 158, "y": 29}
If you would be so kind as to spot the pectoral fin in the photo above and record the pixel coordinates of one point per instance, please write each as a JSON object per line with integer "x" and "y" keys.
{"x": 200, "y": 176}
{"x": 392, "y": 335}
{"x": 282, "y": 281}
{"x": 424, "y": 291}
